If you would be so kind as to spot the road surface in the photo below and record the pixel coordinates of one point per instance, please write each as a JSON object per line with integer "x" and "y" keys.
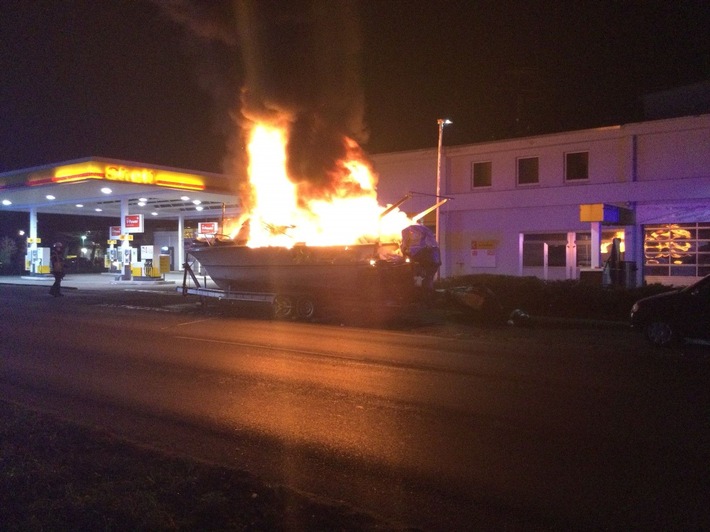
{"x": 433, "y": 426}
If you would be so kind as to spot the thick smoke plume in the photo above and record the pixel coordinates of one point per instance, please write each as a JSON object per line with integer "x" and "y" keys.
{"x": 302, "y": 58}
{"x": 207, "y": 20}
{"x": 300, "y": 61}
{"x": 211, "y": 47}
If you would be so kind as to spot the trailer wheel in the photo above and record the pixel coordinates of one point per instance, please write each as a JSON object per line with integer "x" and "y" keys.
{"x": 305, "y": 308}
{"x": 283, "y": 307}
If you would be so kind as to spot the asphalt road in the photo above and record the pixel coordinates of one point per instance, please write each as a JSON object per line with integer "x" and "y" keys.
{"x": 429, "y": 424}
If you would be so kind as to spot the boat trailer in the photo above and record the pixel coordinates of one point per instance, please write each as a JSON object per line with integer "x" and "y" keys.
{"x": 284, "y": 306}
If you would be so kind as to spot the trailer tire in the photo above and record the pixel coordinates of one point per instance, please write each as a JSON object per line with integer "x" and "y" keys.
{"x": 305, "y": 308}
{"x": 284, "y": 307}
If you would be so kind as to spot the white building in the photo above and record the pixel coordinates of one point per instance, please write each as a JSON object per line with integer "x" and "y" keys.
{"x": 550, "y": 205}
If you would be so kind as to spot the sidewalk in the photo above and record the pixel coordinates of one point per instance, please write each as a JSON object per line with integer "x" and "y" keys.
{"x": 100, "y": 281}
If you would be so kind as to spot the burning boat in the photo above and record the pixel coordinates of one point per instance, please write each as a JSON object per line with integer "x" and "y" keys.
{"x": 304, "y": 243}
{"x": 316, "y": 229}
{"x": 303, "y": 278}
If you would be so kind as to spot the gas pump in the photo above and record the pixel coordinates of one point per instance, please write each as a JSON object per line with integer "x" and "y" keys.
{"x": 111, "y": 259}
{"x": 37, "y": 261}
{"x": 127, "y": 258}
{"x": 148, "y": 267}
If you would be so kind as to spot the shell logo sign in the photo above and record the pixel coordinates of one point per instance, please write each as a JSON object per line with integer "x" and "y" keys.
{"x": 127, "y": 174}
{"x": 143, "y": 176}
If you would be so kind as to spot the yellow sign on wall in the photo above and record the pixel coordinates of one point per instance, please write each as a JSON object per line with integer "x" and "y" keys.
{"x": 605, "y": 213}
{"x": 484, "y": 244}
{"x": 593, "y": 212}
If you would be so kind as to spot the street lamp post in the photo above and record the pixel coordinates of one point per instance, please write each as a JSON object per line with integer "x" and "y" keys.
{"x": 441, "y": 122}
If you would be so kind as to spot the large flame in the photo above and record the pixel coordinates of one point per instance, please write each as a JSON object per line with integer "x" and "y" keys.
{"x": 284, "y": 213}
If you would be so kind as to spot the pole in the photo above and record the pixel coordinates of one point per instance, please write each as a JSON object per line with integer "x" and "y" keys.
{"x": 438, "y": 171}
{"x": 441, "y": 122}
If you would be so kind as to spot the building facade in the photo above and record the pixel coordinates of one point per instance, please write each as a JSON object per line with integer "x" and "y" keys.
{"x": 559, "y": 205}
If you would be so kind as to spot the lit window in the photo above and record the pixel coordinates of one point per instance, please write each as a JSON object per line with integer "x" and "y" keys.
{"x": 677, "y": 249}
{"x": 528, "y": 170}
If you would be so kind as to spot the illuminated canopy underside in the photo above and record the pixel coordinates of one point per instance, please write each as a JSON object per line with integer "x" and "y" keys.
{"x": 76, "y": 187}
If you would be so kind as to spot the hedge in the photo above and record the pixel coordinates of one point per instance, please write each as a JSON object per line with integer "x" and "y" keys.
{"x": 571, "y": 298}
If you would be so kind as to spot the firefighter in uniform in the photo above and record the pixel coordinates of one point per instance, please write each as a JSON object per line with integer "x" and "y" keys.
{"x": 56, "y": 257}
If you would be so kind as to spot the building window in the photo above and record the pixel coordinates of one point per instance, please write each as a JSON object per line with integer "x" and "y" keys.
{"x": 577, "y": 166}
{"x": 482, "y": 173}
{"x": 677, "y": 249}
{"x": 527, "y": 170}
{"x": 534, "y": 249}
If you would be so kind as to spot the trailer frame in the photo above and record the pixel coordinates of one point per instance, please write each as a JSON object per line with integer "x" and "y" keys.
{"x": 294, "y": 305}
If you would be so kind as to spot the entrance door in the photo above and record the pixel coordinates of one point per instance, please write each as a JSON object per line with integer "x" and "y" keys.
{"x": 546, "y": 255}
{"x": 583, "y": 245}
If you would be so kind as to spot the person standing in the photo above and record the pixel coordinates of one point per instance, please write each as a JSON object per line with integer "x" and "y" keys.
{"x": 420, "y": 246}
{"x": 56, "y": 257}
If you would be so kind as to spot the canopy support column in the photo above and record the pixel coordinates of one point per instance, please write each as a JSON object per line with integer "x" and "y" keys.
{"x": 33, "y": 228}
{"x": 596, "y": 229}
{"x": 125, "y": 257}
{"x": 181, "y": 242}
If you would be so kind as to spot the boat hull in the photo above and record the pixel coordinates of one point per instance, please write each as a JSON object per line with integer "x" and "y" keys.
{"x": 322, "y": 273}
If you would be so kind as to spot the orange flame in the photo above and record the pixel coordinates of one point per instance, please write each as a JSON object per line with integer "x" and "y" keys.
{"x": 284, "y": 213}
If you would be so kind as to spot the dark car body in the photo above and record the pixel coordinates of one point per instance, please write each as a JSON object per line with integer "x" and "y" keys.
{"x": 676, "y": 315}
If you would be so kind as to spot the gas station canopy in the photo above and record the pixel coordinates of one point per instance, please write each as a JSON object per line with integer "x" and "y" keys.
{"x": 98, "y": 187}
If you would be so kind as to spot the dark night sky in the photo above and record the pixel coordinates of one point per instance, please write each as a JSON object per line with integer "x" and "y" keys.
{"x": 123, "y": 79}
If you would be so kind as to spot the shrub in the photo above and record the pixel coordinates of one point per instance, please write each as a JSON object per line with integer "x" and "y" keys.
{"x": 571, "y": 299}
{"x": 8, "y": 253}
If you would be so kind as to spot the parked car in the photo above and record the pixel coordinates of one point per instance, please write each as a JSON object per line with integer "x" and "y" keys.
{"x": 676, "y": 315}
